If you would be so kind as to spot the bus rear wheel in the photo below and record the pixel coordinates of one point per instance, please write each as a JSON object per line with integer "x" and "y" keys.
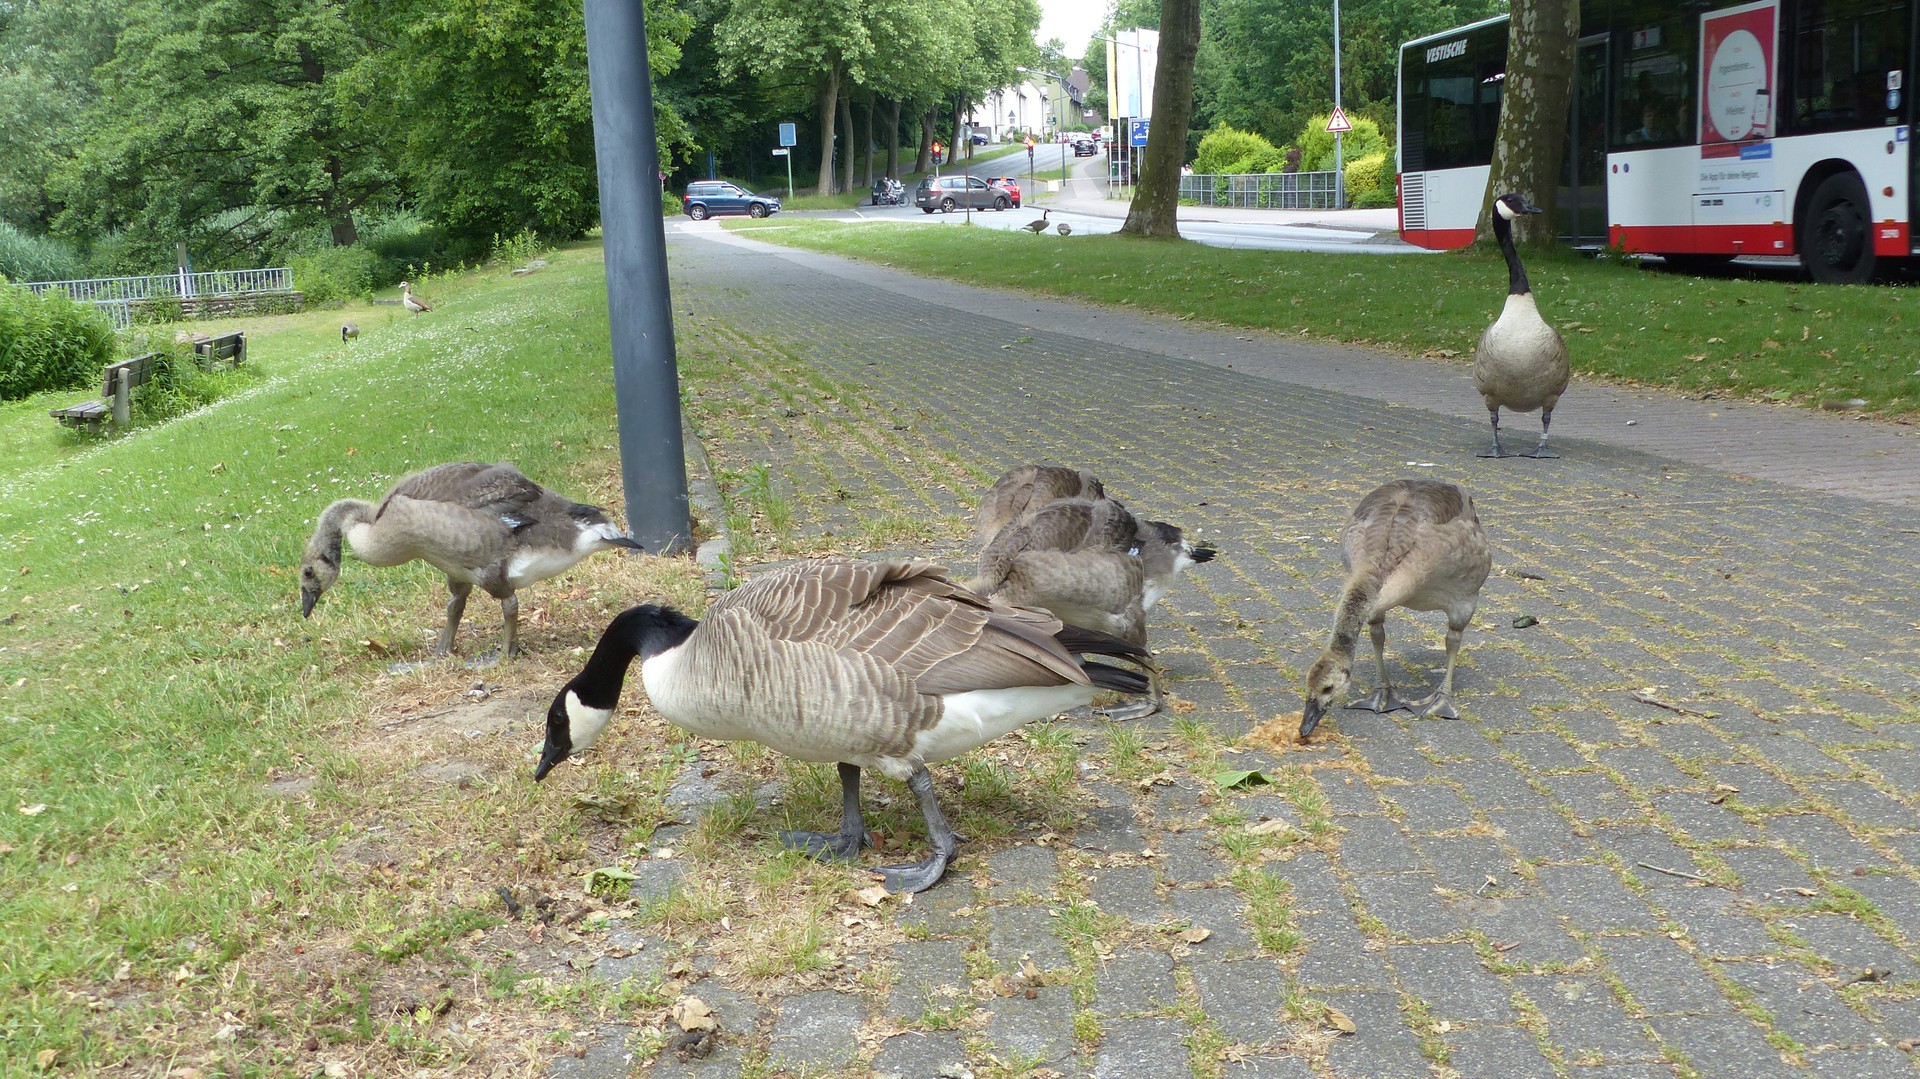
{"x": 1836, "y": 232}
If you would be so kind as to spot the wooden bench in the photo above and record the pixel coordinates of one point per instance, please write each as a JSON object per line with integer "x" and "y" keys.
{"x": 117, "y": 384}
{"x": 231, "y": 348}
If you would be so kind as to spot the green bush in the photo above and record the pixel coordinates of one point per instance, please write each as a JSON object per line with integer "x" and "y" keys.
{"x": 49, "y": 343}
{"x": 1373, "y": 199}
{"x": 669, "y": 204}
{"x": 1363, "y": 173}
{"x": 335, "y": 274}
{"x": 1316, "y": 146}
{"x": 25, "y": 257}
{"x": 1223, "y": 149}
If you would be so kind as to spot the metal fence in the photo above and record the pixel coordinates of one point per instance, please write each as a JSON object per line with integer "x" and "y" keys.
{"x": 1262, "y": 191}
{"x": 116, "y": 296}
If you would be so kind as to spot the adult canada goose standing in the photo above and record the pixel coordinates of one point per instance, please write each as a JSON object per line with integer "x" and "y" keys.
{"x": 349, "y": 331}
{"x": 1039, "y": 225}
{"x": 480, "y": 524}
{"x": 411, "y": 302}
{"x": 1063, "y": 229}
{"x": 1094, "y": 565}
{"x": 1521, "y": 361}
{"x": 1022, "y": 492}
{"x": 883, "y": 665}
{"x": 1416, "y": 544}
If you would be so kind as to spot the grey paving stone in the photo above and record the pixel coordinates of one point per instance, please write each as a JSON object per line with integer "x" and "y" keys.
{"x": 816, "y": 1030}
{"x": 1186, "y": 859}
{"x": 1621, "y": 1071}
{"x": 1584, "y": 1018}
{"x": 1796, "y": 756}
{"x": 1592, "y": 797}
{"x": 1134, "y": 982}
{"x": 1592, "y": 728}
{"x": 1220, "y": 911}
{"x": 1853, "y": 946}
{"x": 1546, "y": 751}
{"x": 1721, "y": 923}
{"x": 1865, "y": 806}
{"x": 1453, "y": 741}
{"x": 1692, "y": 742}
{"x": 1144, "y": 1049}
{"x": 1721, "y": 1046}
{"x": 936, "y": 908}
{"x": 1335, "y": 953}
{"x": 1896, "y": 897}
{"x": 739, "y": 1018}
{"x": 1539, "y": 834}
{"x": 1873, "y": 1062}
{"x": 1764, "y": 871}
{"x": 1345, "y": 794}
{"x": 1451, "y": 979}
{"x": 646, "y": 958}
{"x": 1028, "y": 870}
{"x": 1464, "y": 862}
{"x": 1527, "y": 928}
{"x": 1038, "y": 1030}
{"x": 1375, "y": 845}
{"x": 1822, "y": 842}
{"x": 1129, "y": 892}
{"x": 1242, "y": 998}
{"x": 1702, "y": 819}
{"x": 1494, "y": 1051}
{"x": 606, "y": 1056}
{"x": 915, "y": 1055}
{"x": 1640, "y": 846}
{"x": 1493, "y": 785}
{"x": 1267, "y": 1067}
{"x": 1754, "y": 787}
{"x": 1662, "y": 977}
{"x": 1311, "y": 883}
{"x": 1393, "y": 758}
{"x": 1801, "y": 1005}
{"x": 1408, "y": 905}
{"x": 928, "y": 973}
{"x": 1594, "y": 899}
{"x": 1382, "y": 1047}
{"x": 1900, "y": 768}
{"x": 1649, "y": 770}
{"x": 1017, "y": 933}
{"x": 1429, "y": 807}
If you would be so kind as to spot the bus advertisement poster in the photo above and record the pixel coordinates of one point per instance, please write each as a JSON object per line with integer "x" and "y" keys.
{"x": 1736, "y": 76}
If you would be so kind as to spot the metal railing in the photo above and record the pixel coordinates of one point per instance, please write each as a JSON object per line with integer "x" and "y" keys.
{"x": 116, "y": 296}
{"x": 1262, "y": 190}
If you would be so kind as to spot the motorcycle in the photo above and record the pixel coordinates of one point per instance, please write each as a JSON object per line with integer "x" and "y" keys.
{"x": 888, "y": 192}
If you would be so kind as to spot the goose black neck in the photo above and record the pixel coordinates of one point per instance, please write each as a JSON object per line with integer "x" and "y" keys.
{"x": 1516, "y": 273}
{"x": 643, "y": 631}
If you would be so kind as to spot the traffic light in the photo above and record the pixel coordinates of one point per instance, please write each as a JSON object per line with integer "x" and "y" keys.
{"x": 1029, "y": 153}
{"x": 937, "y": 148}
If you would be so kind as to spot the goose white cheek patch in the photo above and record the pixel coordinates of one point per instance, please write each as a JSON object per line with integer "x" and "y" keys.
{"x": 584, "y": 724}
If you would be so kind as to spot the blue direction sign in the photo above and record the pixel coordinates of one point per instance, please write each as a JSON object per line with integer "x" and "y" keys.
{"x": 788, "y": 136}
{"x": 1137, "y": 132}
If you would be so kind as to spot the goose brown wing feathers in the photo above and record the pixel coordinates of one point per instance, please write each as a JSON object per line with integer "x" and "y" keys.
{"x": 1388, "y": 523}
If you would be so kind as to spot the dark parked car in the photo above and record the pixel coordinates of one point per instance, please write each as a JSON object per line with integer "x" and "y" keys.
{"x": 704, "y": 198}
{"x": 1083, "y": 148}
{"x": 950, "y": 193}
{"x": 979, "y": 138}
{"x": 1009, "y": 184}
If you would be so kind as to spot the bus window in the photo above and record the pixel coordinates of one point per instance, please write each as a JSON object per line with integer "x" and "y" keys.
{"x": 1654, "y": 90}
{"x": 1452, "y": 100}
{"x": 1846, "y": 64}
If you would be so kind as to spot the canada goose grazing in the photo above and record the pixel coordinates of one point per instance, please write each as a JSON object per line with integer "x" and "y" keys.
{"x": 1063, "y": 229}
{"x": 1022, "y": 492}
{"x": 1521, "y": 361}
{"x": 349, "y": 331}
{"x": 1416, "y": 544}
{"x": 885, "y": 665}
{"x": 1094, "y": 565}
{"x": 480, "y": 524}
{"x": 411, "y": 302}
{"x": 1040, "y": 225}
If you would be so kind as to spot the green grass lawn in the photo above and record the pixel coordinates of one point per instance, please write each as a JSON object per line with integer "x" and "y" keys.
{"x": 1802, "y": 344}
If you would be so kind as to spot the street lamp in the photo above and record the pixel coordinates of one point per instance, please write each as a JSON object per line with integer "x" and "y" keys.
{"x": 1339, "y": 166}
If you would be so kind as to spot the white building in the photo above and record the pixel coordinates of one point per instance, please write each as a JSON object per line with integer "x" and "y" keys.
{"x": 1039, "y": 103}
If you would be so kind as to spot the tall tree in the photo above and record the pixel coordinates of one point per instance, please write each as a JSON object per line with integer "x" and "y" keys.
{"x": 1534, "y": 98}
{"x": 825, "y": 44}
{"x": 1156, "y": 201}
{"x": 48, "y": 52}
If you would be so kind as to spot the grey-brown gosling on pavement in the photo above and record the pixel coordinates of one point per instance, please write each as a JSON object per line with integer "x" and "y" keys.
{"x": 871, "y": 665}
{"x": 1521, "y": 361}
{"x": 1092, "y": 564}
{"x": 1038, "y": 225}
{"x": 1416, "y": 544}
{"x": 1024, "y": 490}
{"x": 480, "y": 524}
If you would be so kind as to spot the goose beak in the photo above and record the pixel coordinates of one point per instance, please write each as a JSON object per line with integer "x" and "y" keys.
{"x": 1529, "y": 208}
{"x": 1202, "y": 554}
{"x": 551, "y": 755}
{"x": 559, "y": 745}
{"x": 628, "y": 542}
{"x": 308, "y": 597}
{"x": 1310, "y": 715}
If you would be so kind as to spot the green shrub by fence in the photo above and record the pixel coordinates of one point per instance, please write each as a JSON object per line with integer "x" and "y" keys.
{"x": 49, "y": 343}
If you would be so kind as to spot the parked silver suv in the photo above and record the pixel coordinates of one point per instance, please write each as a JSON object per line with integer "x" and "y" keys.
{"x": 950, "y": 193}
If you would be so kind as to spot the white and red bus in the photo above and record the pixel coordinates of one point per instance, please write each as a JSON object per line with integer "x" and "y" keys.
{"x": 1699, "y": 131}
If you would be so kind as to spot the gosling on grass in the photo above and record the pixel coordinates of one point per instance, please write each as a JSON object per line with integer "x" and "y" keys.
{"x": 870, "y": 665}
{"x": 480, "y": 524}
{"x": 1416, "y": 544}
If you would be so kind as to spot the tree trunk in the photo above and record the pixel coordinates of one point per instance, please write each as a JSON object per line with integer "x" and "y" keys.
{"x": 1530, "y": 144}
{"x": 923, "y": 156}
{"x": 893, "y": 139}
{"x": 828, "y": 103}
{"x": 1156, "y": 201}
{"x": 866, "y": 140}
{"x": 847, "y": 149}
{"x": 953, "y": 154}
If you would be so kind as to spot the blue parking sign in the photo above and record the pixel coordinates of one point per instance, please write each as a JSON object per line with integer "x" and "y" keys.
{"x": 788, "y": 136}
{"x": 1137, "y": 132}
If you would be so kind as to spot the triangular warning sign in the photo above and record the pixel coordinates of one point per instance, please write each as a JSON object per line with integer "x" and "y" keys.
{"x": 1338, "y": 122}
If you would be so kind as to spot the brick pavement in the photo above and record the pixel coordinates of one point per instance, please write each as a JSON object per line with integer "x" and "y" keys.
{"x": 1721, "y": 684}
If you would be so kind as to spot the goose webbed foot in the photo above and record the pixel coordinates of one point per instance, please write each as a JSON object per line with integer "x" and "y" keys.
{"x": 922, "y": 875}
{"x": 493, "y": 656}
{"x": 410, "y": 666}
{"x": 1495, "y": 450}
{"x": 830, "y": 846}
{"x": 1541, "y": 451}
{"x": 1437, "y": 704}
{"x": 917, "y": 877}
{"x": 1382, "y": 700}
{"x": 1121, "y": 713}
